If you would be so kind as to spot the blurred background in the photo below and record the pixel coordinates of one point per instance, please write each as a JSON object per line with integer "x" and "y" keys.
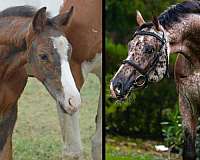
{"x": 150, "y": 117}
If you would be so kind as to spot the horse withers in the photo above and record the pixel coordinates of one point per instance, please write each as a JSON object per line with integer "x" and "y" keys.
{"x": 177, "y": 30}
{"x": 29, "y": 37}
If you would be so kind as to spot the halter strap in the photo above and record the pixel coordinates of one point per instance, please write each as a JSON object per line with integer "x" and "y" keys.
{"x": 156, "y": 59}
{"x": 144, "y": 33}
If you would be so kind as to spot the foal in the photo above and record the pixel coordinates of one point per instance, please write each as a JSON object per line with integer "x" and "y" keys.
{"x": 30, "y": 37}
{"x": 177, "y": 30}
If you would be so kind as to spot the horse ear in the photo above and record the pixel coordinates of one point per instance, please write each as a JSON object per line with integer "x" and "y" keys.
{"x": 63, "y": 19}
{"x": 139, "y": 18}
{"x": 39, "y": 20}
{"x": 156, "y": 24}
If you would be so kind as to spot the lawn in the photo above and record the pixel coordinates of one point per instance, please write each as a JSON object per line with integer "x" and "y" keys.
{"x": 37, "y": 133}
{"x": 115, "y": 154}
{"x": 121, "y": 148}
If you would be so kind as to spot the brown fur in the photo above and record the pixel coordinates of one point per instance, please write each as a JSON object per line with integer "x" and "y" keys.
{"x": 24, "y": 39}
{"x": 84, "y": 33}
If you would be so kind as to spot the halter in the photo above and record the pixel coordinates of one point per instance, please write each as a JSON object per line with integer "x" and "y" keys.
{"x": 145, "y": 74}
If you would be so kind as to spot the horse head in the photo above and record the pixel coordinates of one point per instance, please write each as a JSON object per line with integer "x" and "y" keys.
{"x": 147, "y": 59}
{"x": 48, "y": 58}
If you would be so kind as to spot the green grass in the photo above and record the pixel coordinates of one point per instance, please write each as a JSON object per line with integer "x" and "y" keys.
{"x": 115, "y": 153}
{"x": 37, "y": 134}
{"x": 124, "y": 148}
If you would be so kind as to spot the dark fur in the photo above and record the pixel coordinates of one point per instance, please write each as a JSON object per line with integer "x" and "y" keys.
{"x": 176, "y": 12}
{"x": 7, "y": 123}
{"x": 22, "y": 11}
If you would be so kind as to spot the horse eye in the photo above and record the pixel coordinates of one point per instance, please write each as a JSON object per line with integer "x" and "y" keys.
{"x": 43, "y": 57}
{"x": 148, "y": 49}
{"x": 151, "y": 50}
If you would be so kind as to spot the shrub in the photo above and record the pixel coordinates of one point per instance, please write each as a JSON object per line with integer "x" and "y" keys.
{"x": 172, "y": 129}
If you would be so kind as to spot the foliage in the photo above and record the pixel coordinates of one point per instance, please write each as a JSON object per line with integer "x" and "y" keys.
{"x": 173, "y": 132}
{"x": 120, "y": 15}
{"x": 172, "y": 129}
{"x": 115, "y": 53}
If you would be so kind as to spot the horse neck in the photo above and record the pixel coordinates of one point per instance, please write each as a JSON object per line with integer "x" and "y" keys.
{"x": 184, "y": 38}
{"x": 85, "y": 29}
{"x": 13, "y": 30}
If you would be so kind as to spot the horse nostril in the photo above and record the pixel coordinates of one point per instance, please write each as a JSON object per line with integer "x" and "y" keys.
{"x": 70, "y": 101}
{"x": 118, "y": 88}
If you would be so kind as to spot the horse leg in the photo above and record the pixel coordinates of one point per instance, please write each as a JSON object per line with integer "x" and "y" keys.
{"x": 71, "y": 135}
{"x": 7, "y": 123}
{"x": 189, "y": 120}
{"x": 97, "y": 138}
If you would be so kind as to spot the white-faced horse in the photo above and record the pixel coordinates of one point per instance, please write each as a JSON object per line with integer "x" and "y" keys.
{"x": 85, "y": 34}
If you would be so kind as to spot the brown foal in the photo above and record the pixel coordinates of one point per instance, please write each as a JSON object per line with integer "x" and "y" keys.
{"x": 29, "y": 37}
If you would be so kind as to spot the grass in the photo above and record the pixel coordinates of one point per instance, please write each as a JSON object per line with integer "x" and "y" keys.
{"x": 121, "y": 148}
{"x": 37, "y": 134}
{"x": 115, "y": 154}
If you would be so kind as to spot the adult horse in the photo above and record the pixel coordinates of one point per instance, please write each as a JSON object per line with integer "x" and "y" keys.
{"x": 177, "y": 30}
{"x": 85, "y": 34}
{"x": 27, "y": 36}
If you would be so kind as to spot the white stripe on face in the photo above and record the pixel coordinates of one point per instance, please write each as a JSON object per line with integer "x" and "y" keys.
{"x": 71, "y": 93}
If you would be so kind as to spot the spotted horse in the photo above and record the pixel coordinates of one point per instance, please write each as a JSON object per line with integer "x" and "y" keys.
{"x": 176, "y": 30}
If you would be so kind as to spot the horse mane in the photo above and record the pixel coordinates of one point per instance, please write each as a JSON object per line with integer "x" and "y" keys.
{"x": 178, "y": 11}
{"x": 22, "y": 11}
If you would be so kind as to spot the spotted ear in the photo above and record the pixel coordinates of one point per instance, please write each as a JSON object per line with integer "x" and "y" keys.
{"x": 39, "y": 20}
{"x": 63, "y": 19}
{"x": 156, "y": 24}
{"x": 139, "y": 18}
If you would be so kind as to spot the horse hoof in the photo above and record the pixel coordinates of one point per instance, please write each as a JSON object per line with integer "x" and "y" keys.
{"x": 72, "y": 156}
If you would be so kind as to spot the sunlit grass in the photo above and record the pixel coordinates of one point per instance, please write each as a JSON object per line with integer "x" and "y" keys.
{"x": 37, "y": 133}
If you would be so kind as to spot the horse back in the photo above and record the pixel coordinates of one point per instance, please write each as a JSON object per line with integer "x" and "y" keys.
{"x": 85, "y": 29}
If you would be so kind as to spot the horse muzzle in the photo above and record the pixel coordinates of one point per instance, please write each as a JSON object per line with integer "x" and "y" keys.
{"x": 119, "y": 90}
{"x": 71, "y": 104}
